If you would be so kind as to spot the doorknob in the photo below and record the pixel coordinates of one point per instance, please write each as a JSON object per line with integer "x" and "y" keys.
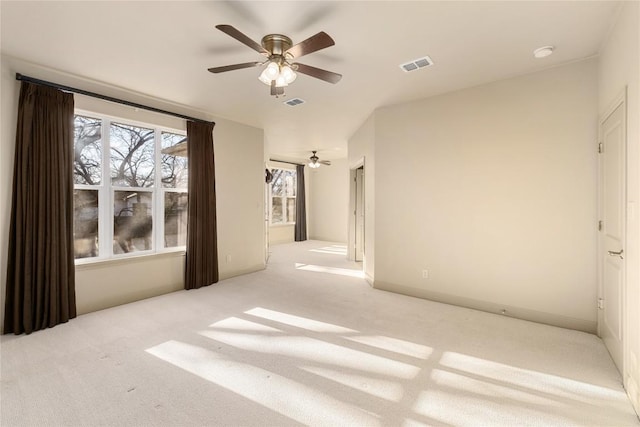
{"x": 612, "y": 253}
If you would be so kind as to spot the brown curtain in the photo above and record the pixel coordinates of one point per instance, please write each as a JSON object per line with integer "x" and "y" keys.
{"x": 202, "y": 245}
{"x": 40, "y": 290}
{"x": 300, "y": 232}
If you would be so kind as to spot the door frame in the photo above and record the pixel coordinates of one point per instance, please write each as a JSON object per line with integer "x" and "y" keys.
{"x": 619, "y": 100}
{"x": 351, "y": 245}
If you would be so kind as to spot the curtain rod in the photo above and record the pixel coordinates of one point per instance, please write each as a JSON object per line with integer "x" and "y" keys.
{"x": 106, "y": 98}
{"x": 284, "y": 161}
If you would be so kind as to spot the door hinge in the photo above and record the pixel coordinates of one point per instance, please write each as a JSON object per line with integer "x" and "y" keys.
{"x": 600, "y": 148}
{"x": 599, "y": 225}
{"x": 600, "y": 304}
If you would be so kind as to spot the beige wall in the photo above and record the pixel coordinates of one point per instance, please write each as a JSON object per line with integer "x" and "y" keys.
{"x": 619, "y": 68}
{"x": 279, "y": 234}
{"x": 239, "y": 187}
{"x": 362, "y": 153}
{"x": 329, "y": 202}
{"x": 493, "y": 191}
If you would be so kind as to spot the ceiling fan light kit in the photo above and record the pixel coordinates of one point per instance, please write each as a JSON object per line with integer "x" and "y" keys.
{"x": 279, "y": 50}
{"x": 315, "y": 162}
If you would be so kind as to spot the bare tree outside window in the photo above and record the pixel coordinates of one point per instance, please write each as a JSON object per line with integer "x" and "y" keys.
{"x": 174, "y": 168}
{"x": 132, "y": 222}
{"x": 132, "y": 164}
{"x": 132, "y": 156}
{"x": 118, "y": 174}
{"x": 87, "y": 174}
{"x": 174, "y": 176}
{"x": 87, "y": 149}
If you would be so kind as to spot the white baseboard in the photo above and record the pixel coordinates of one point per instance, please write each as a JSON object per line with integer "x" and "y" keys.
{"x": 240, "y": 272}
{"x": 633, "y": 391}
{"x": 631, "y": 381}
{"x": 369, "y": 279}
{"x": 490, "y": 307}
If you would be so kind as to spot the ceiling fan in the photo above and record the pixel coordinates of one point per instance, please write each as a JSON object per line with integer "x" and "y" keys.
{"x": 280, "y": 50}
{"x": 315, "y": 162}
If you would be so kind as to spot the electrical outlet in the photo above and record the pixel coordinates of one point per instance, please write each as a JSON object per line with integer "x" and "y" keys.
{"x": 425, "y": 274}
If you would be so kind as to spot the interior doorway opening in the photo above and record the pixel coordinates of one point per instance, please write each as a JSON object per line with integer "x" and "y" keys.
{"x": 356, "y": 246}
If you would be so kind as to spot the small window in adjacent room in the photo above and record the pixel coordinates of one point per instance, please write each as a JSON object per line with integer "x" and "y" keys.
{"x": 283, "y": 197}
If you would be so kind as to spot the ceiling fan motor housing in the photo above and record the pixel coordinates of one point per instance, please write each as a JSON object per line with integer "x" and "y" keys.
{"x": 276, "y": 44}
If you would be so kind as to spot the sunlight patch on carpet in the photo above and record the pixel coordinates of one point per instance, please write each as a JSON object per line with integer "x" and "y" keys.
{"x": 384, "y": 389}
{"x": 305, "y": 350}
{"x": 234, "y": 323}
{"x": 333, "y": 250}
{"x": 298, "y": 322}
{"x": 293, "y": 399}
{"x": 394, "y": 345}
{"x": 558, "y": 386}
{"x": 330, "y": 270}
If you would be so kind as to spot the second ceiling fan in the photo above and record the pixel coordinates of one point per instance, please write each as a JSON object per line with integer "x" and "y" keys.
{"x": 315, "y": 162}
{"x": 280, "y": 51}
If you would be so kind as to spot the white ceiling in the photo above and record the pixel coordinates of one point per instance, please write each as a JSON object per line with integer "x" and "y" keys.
{"x": 163, "y": 49}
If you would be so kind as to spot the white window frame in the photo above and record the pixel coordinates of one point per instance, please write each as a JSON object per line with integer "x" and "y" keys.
{"x": 284, "y": 202}
{"x": 106, "y": 192}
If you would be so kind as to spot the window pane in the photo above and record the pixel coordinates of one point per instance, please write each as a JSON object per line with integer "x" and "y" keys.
{"x": 291, "y": 210}
{"x": 290, "y": 183}
{"x": 277, "y": 182}
{"x": 276, "y": 211}
{"x": 132, "y": 156}
{"x": 132, "y": 221}
{"x": 174, "y": 160}
{"x": 85, "y": 223}
{"x": 175, "y": 219}
{"x": 87, "y": 147}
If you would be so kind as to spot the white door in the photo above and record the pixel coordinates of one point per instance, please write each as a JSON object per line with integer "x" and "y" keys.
{"x": 359, "y": 214}
{"x": 612, "y": 164}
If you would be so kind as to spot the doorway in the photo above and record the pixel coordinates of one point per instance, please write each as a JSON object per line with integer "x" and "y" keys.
{"x": 356, "y": 244}
{"x": 359, "y": 215}
{"x": 612, "y": 229}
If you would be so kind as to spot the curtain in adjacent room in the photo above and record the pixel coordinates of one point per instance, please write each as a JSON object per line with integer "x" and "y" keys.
{"x": 301, "y": 210}
{"x": 40, "y": 291}
{"x": 202, "y": 246}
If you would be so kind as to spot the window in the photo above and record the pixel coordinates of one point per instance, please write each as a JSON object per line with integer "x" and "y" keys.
{"x": 283, "y": 196}
{"x": 130, "y": 193}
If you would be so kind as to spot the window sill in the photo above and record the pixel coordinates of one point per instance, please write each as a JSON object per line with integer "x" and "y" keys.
{"x": 100, "y": 263}
{"x": 288, "y": 224}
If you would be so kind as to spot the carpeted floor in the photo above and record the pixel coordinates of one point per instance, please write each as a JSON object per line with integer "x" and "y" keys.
{"x": 306, "y": 341}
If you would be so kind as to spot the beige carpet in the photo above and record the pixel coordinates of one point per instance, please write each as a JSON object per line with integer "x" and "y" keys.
{"x": 306, "y": 341}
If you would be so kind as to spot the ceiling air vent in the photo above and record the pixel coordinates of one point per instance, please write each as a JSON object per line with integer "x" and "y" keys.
{"x": 416, "y": 64}
{"x": 293, "y": 102}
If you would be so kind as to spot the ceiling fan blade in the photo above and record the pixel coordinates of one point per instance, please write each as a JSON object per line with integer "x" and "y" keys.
{"x": 318, "y": 73}
{"x": 236, "y": 34}
{"x": 234, "y": 67}
{"x": 325, "y": 162}
{"x": 312, "y": 44}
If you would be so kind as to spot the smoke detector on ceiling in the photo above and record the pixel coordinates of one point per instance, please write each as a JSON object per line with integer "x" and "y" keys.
{"x": 416, "y": 64}
{"x": 543, "y": 52}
